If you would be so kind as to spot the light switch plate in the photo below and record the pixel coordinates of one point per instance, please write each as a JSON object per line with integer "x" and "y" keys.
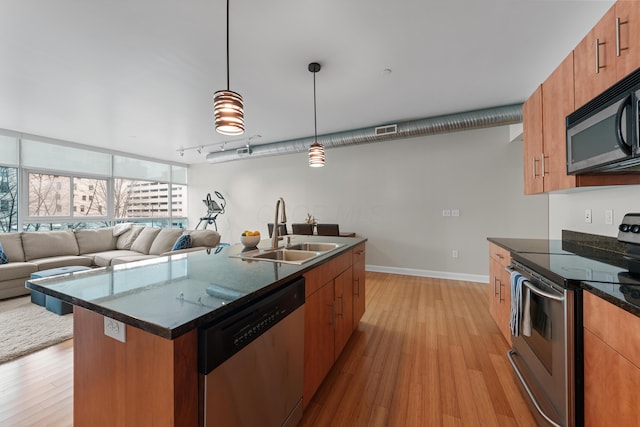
{"x": 115, "y": 329}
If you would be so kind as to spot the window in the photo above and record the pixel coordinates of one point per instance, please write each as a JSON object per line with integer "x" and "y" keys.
{"x": 130, "y": 202}
{"x": 92, "y": 193}
{"x": 46, "y": 194}
{"x": 4, "y": 187}
{"x": 4, "y": 206}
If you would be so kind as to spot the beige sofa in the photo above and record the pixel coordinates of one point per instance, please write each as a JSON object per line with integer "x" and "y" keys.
{"x": 29, "y": 252}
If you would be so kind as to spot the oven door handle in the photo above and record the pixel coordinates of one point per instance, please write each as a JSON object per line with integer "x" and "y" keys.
{"x": 535, "y": 290}
{"x": 510, "y": 354}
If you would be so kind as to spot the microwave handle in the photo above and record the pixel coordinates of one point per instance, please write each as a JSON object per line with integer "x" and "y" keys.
{"x": 626, "y": 148}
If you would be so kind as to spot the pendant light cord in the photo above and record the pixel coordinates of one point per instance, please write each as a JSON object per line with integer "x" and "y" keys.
{"x": 315, "y": 115}
{"x": 228, "y": 86}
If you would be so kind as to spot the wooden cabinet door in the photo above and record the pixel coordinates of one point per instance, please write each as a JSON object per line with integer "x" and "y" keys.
{"x": 595, "y": 60}
{"x": 610, "y": 385}
{"x": 343, "y": 292}
{"x": 494, "y": 286}
{"x": 318, "y": 339}
{"x": 358, "y": 284}
{"x": 628, "y": 13}
{"x": 532, "y": 135}
{"x": 557, "y": 103}
{"x": 504, "y": 303}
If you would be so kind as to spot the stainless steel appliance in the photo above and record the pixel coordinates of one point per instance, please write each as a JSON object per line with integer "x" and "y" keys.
{"x": 602, "y": 136}
{"x": 251, "y": 363}
{"x": 545, "y": 361}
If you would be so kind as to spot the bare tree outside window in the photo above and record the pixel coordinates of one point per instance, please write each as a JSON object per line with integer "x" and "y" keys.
{"x": 46, "y": 193}
{"x": 8, "y": 199}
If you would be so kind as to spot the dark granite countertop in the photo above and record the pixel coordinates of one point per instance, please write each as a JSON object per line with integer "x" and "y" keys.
{"x": 603, "y": 269}
{"x": 167, "y": 296}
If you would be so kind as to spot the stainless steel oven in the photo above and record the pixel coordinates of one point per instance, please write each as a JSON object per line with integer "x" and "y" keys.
{"x": 543, "y": 353}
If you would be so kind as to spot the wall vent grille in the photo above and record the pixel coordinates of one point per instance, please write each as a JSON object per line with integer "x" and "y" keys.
{"x": 386, "y": 130}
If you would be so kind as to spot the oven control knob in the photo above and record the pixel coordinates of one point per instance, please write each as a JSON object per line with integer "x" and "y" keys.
{"x": 624, "y": 227}
{"x": 635, "y": 228}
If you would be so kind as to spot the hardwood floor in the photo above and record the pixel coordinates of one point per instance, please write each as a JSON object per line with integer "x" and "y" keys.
{"x": 426, "y": 353}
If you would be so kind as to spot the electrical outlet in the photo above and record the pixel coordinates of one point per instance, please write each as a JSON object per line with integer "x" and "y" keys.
{"x": 455, "y": 212}
{"x": 454, "y": 253}
{"x": 446, "y": 212}
{"x": 587, "y": 216}
{"x": 608, "y": 216}
{"x": 115, "y": 329}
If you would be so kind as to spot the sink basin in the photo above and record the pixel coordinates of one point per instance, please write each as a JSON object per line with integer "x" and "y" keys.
{"x": 314, "y": 247}
{"x": 283, "y": 255}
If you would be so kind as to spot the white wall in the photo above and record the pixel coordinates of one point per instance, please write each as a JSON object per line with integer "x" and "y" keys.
{"x": 393, "y": 193}
{"x": 567, "y": 211}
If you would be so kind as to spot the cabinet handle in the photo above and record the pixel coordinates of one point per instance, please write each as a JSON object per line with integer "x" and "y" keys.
{"x": 341, "y": 314}
{"x": 535, "y": 175}
{"x": 598, "y": 66}
{"x": 495, "y": 280}
{"x": 357, "y": 293}
{"x": 542, "y": 164}
{"x": 618, "y": 48}
{"x": 499, "y": 255}
{"x": 361, "y": 252}
{"x": 500, "y": 287}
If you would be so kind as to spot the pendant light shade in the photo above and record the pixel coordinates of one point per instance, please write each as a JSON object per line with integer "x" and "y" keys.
{"x": 316, "y": 150}
{"x": 228, "y": 107}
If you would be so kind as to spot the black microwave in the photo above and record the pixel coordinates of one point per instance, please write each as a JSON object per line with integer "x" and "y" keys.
{"x": 602, "y": 135}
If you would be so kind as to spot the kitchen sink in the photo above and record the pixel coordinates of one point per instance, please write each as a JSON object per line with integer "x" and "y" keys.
{"x": 314, "y": 246}
{"x": 281, "y": 255}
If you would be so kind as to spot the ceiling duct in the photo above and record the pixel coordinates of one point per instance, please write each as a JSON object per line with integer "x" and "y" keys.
{"x": 476, "y": 119}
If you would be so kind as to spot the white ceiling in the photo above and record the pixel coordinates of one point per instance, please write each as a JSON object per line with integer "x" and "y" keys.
{"x": 139, "y": 75}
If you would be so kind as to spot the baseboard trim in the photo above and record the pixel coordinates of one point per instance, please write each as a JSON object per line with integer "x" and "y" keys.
{"x": 429, "y": 273}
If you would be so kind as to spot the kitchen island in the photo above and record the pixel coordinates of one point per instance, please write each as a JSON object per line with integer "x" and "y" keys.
{"x": 148, "y": 374}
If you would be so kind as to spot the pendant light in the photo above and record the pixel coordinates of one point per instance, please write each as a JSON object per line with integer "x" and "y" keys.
{"x": 228, "y": 106}
{"x": 316, "y": 150}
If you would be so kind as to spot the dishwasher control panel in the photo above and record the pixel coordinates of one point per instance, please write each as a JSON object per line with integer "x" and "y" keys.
{"x": 223, "y": 338}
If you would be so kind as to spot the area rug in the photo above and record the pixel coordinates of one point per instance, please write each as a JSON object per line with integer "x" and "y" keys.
{"x": 27, "y": 327}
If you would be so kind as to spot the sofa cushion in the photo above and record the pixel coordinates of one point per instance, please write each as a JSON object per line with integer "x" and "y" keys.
{"x": 17, "y": 270}
{"x": 164, "y": 241}
{"x": 99, "y": 240}
{"x": 126, "y": 239}
{"x": 144, "y": 240}
{"x": 61, "y": 261}
{"x": 207, "y": 238}
{"x": 12, "y": 245}
{"x": 43, "y": 244}
{"x": 103, "y": 259}
{"x": 183, "y": 242}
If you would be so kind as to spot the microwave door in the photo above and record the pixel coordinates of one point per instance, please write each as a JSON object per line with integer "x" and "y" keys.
{"x": 600, "y": 139}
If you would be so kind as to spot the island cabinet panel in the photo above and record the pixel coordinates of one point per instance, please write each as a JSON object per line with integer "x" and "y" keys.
{"x": 329, "y": 318}
{"x": 148, "y": 380}
{"x": 611, "y": 364}
{"x": 343, "y": 288}
{"x": 359, "y": 254}
{"x": 500, "y": 289}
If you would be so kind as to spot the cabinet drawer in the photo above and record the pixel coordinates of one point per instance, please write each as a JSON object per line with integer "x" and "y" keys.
{"x": 613, "y": 325}
{"x": 502, "y": 255}
{"x": 322, "y": 274}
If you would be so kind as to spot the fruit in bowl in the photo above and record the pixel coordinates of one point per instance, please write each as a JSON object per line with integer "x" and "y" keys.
{"x": 250, "y": 239}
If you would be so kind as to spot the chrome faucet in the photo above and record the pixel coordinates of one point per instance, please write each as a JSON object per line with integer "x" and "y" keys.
{"x": 283, "y": 219}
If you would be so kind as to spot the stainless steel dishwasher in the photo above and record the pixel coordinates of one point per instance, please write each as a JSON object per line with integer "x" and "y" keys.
{"x": 251, "y": 363}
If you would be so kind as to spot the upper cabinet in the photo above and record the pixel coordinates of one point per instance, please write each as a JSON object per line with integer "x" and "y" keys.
{"x": 609, "y": 52}
{"x": 545, "y": 165}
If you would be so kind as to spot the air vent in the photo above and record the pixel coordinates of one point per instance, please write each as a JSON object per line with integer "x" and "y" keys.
{"x": 243, "y": 152}
{"x": 386, "y": 130}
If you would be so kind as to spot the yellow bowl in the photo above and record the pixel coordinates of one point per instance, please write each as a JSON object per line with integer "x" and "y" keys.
{"x": 250, "y": 241}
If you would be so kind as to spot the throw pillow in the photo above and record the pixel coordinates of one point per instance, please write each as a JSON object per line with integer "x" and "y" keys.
{"x": 183, "y": 242}
{"x": 122, "y": 228}
{"x": 5, "y": 260}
